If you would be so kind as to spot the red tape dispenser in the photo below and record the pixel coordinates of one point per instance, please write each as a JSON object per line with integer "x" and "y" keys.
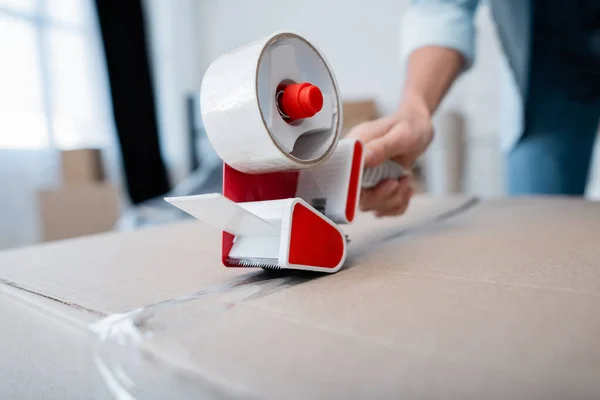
{"x": 272, "y": 113}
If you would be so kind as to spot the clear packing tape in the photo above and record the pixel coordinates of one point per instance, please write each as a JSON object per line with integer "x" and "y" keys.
{"x": 241, "y": 113}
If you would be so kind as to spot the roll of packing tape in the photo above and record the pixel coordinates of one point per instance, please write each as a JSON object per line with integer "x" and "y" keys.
{"x": 272, "y": 105}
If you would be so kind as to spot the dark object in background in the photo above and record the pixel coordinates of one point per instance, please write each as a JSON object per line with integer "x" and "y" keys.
{"x": 194, "y": 124}
{"x": 124, "y": 37}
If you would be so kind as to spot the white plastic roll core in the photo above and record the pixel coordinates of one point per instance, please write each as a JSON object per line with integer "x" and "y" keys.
{"x": 240, "y": 112}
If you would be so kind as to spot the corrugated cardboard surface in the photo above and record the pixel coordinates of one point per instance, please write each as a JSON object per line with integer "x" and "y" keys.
{"x": 121, "y": 271}
{"x": 498, "y": 299}
{"x": 45, "y": 348}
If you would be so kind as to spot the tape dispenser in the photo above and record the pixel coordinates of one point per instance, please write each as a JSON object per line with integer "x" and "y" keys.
{"x": 272, "y": 112}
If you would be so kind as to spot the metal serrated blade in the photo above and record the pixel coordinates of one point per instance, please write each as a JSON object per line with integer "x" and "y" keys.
{"x": 264, "y": 263}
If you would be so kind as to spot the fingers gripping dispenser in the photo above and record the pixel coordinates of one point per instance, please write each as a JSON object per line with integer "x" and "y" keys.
{"x": 272, "y": 113}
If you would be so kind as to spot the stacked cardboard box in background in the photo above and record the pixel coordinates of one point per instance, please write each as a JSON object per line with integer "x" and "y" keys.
{"x": 84, "y": 204}
{"x": 355, "y": 112}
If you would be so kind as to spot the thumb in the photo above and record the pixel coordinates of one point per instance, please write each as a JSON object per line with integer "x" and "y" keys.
{"x": 398, "y": 143}
{"x": 370, "y": 130}
{"x": 401, "y": 143}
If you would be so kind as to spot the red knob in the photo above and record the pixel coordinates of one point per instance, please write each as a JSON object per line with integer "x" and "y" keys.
{"x": 301, "y": 100}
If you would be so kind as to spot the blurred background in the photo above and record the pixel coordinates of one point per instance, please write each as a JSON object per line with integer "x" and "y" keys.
{"x": 99, "y": 115}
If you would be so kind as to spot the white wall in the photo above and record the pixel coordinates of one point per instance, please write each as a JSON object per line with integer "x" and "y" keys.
{"x": 175, "y": 50}
{"x": 358, "y": 37}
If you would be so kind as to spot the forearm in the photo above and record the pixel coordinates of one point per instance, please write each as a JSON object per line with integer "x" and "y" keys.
{"x": 430, "y": 73}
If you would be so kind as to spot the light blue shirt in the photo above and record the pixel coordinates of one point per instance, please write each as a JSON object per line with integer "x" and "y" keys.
{"x": 451, "y": 24}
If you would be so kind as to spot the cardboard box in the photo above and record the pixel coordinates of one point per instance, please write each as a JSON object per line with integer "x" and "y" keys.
{"x": 456, "y": 299}
{"x": 72, "y": 211}
{"x": 84, "y": 203}
{"x": 81, "y": 166}
{"x": 355, "y": 112}
{"x": 45, "y": 348}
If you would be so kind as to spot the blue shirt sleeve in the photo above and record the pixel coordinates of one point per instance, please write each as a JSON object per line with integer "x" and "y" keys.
{"x": 444, "y": 23}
